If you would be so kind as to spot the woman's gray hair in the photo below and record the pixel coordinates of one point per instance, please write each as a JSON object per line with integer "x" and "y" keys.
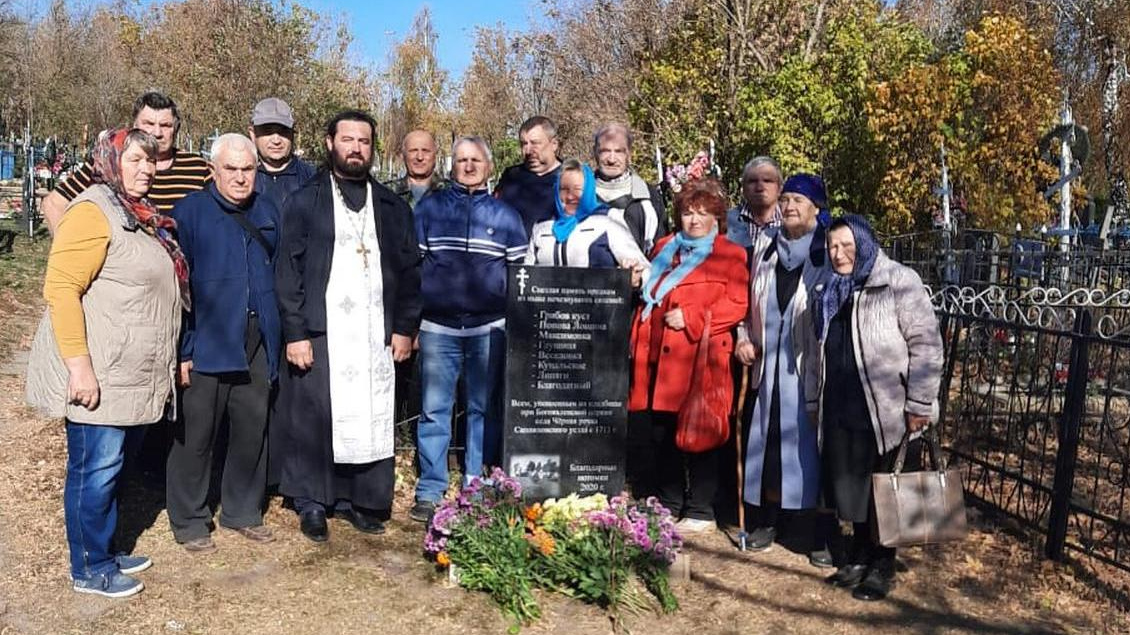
{"x": 140, "y": 138}
{"x": 759, "y": 161}
{"x": 477, "y": 141}
{"x": 231, "y": 141}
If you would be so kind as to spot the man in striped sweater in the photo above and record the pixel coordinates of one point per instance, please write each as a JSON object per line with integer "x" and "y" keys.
{"x": 179, "y": 173}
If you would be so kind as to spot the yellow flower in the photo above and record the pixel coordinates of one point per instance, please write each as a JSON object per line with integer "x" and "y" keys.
{"x": 442, "y": 559}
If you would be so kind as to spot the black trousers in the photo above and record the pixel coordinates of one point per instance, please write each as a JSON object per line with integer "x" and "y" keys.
{"x": 685, "y": 482}
{"x": 244, "y": 398}
{"x": 850, "y": 458}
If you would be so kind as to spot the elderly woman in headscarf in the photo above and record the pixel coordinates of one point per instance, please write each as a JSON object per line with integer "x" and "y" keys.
{"x": 697, "y": 278}
{"x": 872, "y": 379}
{"x": 104, "y": 355}
{"x": 782, "y": 468}
{"x": 582, "y": 234}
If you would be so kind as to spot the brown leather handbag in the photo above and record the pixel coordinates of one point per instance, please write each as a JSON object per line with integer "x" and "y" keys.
{"x": 919, "y": 508}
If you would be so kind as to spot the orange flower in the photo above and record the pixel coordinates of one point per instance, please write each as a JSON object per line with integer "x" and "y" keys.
{"x": 542, "y": 541}
{"x": 442, "y": 559}
{"x": 533, "y": 512}
{"x": 547, "y": 546}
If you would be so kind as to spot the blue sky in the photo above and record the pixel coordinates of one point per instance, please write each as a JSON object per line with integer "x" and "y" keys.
{"x": 379, "y": 24}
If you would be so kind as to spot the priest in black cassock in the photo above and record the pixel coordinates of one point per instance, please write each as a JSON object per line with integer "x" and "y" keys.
{"x": 348, "y": 282}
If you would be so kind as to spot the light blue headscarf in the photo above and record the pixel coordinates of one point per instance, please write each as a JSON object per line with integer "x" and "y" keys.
{"x": 692, "y": 252}
{"x": 587, "y": 206}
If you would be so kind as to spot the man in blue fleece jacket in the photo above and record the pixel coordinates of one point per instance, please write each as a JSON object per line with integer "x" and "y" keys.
{"x": 229, "y": 349}
{"x": 466, "y": 238}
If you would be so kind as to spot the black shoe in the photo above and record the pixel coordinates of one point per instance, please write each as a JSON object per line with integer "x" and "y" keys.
{"x": 875, "y": 586}
{"x": 422, "y": 511}
{"x": 847, "y": 576}
{"x": 365, "y": 523}
{"x": 821, "y": 559}
{"x": 313, "y": 525}
{"x": 761, "y": 539}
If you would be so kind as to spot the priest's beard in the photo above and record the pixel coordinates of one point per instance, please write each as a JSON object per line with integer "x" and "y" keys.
{"x": 354, "y": 165}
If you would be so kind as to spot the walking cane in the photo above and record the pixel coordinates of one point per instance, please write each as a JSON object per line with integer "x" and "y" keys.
{"x": 742, "y": 535}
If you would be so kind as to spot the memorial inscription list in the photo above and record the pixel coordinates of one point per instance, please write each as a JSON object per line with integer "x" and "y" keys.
{"x": 567, "y": 379}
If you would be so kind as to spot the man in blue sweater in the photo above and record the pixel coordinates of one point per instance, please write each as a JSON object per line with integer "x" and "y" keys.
{"x": 466, "y": 238}
{"x": 229, "y": 349}
{"x": 529, "y": 186}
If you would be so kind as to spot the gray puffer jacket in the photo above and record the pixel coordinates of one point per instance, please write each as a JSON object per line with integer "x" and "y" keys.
{"x": 898, "y": 351}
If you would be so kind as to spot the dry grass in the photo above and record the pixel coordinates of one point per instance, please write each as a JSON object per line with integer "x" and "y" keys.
{"x": 993, "y": 583}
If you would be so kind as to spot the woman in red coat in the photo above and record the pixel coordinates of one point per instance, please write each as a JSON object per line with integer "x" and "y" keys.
{"x": 697, "y": 276}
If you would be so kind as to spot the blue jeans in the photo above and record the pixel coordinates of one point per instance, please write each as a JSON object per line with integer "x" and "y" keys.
{"x": 443, "y": 358}
{"x": 95, "y": 454}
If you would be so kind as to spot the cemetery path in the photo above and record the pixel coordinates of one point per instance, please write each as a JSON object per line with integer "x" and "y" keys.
{"x": 356, "y": 583}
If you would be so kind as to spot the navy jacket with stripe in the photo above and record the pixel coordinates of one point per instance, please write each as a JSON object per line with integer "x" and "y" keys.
{"x": 466, "y": 240}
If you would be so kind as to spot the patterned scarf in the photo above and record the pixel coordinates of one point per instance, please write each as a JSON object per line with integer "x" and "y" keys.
{"x": 565, "y": 223}
{"x": 692, "y": 252}
{"x": 841, "y": 286}
{"x": 108, "y": 170}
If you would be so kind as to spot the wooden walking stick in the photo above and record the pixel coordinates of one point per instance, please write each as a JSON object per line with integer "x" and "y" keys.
{"x": 742, "y": 535}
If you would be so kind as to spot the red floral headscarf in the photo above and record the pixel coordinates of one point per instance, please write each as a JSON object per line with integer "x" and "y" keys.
{"x": 108, "y": 170}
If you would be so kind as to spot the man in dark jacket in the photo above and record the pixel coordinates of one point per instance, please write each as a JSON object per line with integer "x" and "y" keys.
{"x": 467, "y": 239}
{"x": 272, "y": 130}
{"x": 229, "y": 351}
{"x": 348, "y": 281}
{"x": 529, "y": 186}
{"x": 418, "y": 151}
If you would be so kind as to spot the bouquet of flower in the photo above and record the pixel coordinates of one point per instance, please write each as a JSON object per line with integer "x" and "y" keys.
{"x": 598, "y": 553}
{"x": 678, "y": 174}
{"x": 481, "y": 532}
{"x": 592, "y": 548}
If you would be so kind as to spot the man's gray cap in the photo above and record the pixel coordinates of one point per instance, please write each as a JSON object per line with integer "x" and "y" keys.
{"x": 272, "y": 110}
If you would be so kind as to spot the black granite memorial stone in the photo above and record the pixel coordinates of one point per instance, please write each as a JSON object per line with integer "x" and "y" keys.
{"x": 567, "y": 332}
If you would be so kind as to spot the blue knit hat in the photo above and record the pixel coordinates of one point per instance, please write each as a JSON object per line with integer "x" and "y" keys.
{"x": 812, "y": 187}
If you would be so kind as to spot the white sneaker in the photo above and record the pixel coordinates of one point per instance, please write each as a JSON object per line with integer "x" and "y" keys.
{"x": 695, "y": 526}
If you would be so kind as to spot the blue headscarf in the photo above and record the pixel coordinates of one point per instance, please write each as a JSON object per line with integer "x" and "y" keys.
{"x": 812, "y": 187}
{"x": 692, "y": 252}
{"x": 587, "y": 206}
{"x": 840, "y": 287}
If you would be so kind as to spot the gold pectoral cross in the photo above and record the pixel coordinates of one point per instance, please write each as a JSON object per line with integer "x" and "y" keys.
{"x": 364, "y": 251}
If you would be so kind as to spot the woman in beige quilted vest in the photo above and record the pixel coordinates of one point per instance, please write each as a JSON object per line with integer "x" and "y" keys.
{"x": 104, "y": 354}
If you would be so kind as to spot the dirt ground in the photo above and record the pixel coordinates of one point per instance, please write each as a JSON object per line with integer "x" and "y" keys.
{"x": 993, "y": 583}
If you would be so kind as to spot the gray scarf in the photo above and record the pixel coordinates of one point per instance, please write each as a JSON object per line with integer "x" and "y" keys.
{"x": 612, "y": 189}
{"x": 793, "y": 253}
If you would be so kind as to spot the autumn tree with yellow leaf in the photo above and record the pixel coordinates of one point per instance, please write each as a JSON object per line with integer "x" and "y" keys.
{"x": 989, "y": 102}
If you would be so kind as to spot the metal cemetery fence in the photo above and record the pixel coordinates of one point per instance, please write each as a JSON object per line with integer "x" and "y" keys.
{"x": 978, "y": 259}
{"x": 1036, "y": 387}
